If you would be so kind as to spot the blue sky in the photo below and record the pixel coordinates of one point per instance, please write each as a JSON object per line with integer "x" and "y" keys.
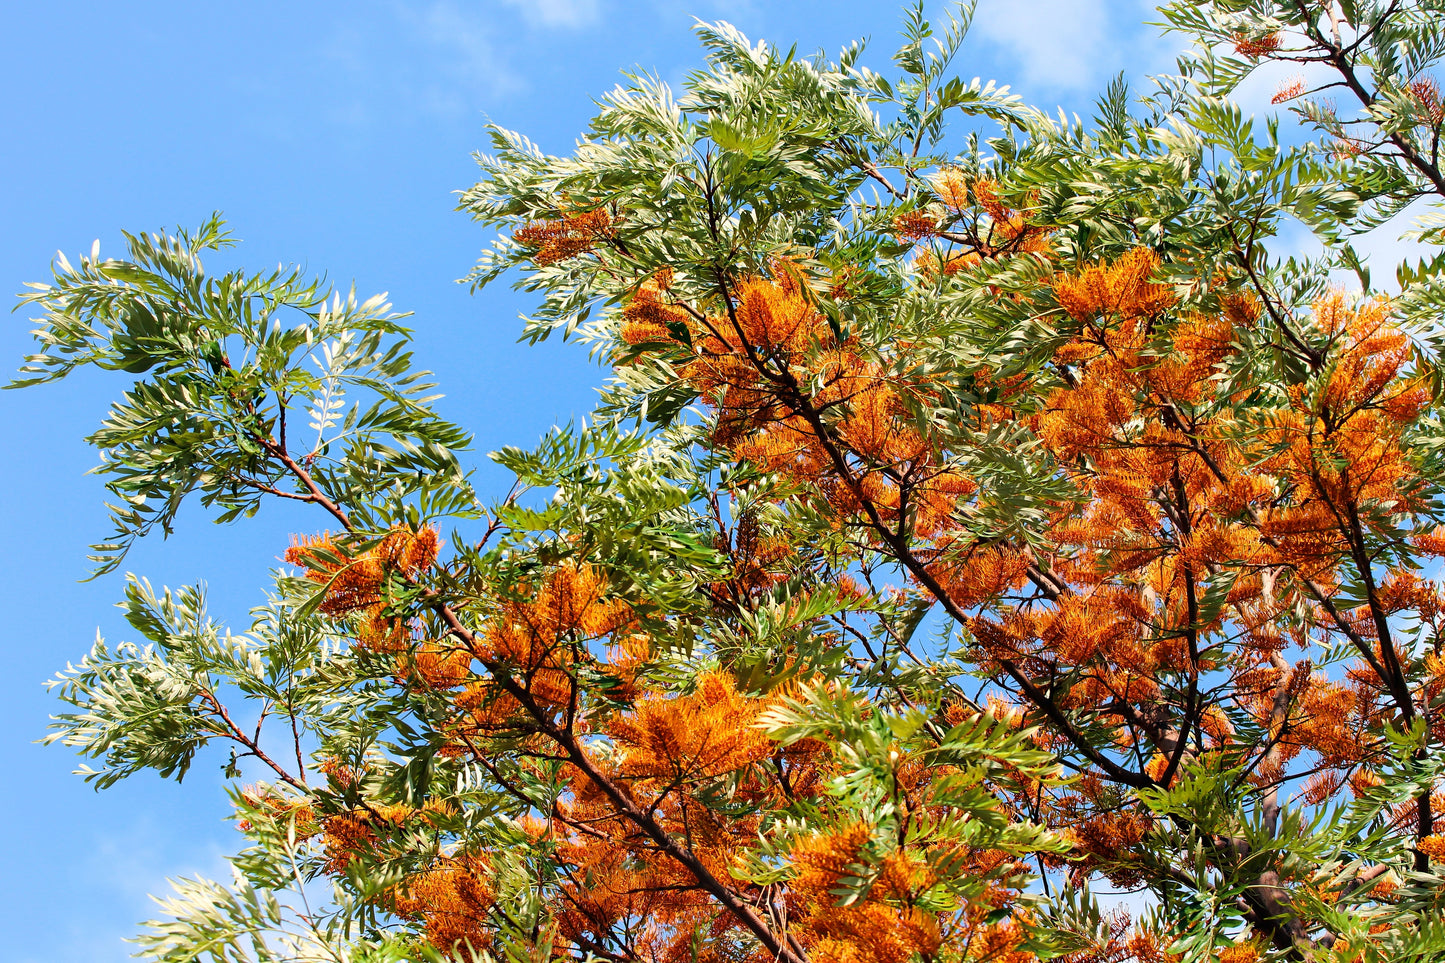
{"x": 331, "y": 134}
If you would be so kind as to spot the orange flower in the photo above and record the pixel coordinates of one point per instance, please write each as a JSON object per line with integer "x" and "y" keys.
{"x": 1256, "y": 47}
{"x": 952, "y": 188}
{"x": 354, "y": 582}
{"x": 700, "y": 736}
{"x": 1288, "y": 90}
{"x": 452, "y": 899}
{"x": 1433, "y": 846}
{"x": 566, "y": 237}
{"x": 915, "y": 225}
{"x": 1122, "y": 289}
{"x": 648, "y": 317}
{"x": 1426, "y": 92}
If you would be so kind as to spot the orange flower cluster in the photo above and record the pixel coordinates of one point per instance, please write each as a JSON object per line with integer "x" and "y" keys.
{"x": 1256, "y": 47}
{"x": 951, "y": 185}
{"x": 1426, "y": 92}
{"x": 888, "y": 921}
{"x": 565, "y": 237}
{"x": 1339, "y": 445}
{"x": 701, "y": 736}
{"x": 973, "y": 574}
{"x": 669, "y": 753}
{"x": 349, "y": 836}
{"x": 915, "y": 225}
{"x": 1434, "y": 847}
{"x": 649, "y": 318}
{"x": 1289, "y": 90}
{"x": 745, "y": 363}
{"x": 1106, "y": 834}
{"x": 1009, "y": 229}
{"x": 1122, "y": 290}
{"x": 882, "y": 926}
{"x": 451, "y": 899}
{"x": 354, "y": 581}
{"x": 538, "y": 636}
{"x": 968, "y": 213}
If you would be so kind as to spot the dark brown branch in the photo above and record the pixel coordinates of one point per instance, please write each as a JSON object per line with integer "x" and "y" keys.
{"x": 621, "y": 803}
{"x": 253, "y": 747}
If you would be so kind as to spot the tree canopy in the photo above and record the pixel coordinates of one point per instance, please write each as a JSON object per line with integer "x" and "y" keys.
{"x": 982, "y": 508}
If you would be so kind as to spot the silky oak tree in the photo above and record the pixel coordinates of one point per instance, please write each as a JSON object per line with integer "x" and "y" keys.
{"x": 981, "y": 511}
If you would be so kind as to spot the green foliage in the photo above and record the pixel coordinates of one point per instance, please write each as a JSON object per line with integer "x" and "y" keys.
{"x": 226, "y": 362}
{"x": 764, "y": 163}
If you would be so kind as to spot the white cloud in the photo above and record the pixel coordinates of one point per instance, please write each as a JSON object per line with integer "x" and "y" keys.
{"x": 128, "y": 863}
{"x": 1058, "y": 41}
{"x": 441, "y": 56}
{"x": 571, "y": 14}
{"x": 1382, "y": 250}
{"x": 1385, "y": 250}
{"x": 729, "y": 10}
{"x": 1073, "y": 44}
{"x": 474, "y": 58}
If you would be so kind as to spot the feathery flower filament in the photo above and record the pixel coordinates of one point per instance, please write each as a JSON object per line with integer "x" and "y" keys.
{"x": 1257, "y": 47}
{"x": 916, "y": 225}
{"x": 566, "y": 237}
{"x": 1426, "y": 92}
{"x": 1289, "y": 90}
